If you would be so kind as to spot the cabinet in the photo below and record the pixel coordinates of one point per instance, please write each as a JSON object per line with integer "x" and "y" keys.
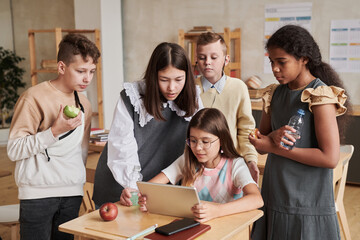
{"x": 352, "y": 137}
{"x": 50, "y": 66}
{"x": 233, "y": 43}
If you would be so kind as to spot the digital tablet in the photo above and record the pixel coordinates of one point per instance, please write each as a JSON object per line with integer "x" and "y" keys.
{"x": 166, "y": 199}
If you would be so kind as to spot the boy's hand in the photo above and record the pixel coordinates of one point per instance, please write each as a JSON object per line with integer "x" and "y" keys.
{"x": 205, "y": 211}
{"x": 62, "y": 124}
{"x": 254, "y": 170}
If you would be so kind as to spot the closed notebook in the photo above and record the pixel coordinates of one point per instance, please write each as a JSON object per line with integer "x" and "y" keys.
{"x": 187, "y": 234}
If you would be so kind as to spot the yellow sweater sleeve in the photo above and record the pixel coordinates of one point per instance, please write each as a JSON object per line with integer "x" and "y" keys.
{"x": 235, "y": 104}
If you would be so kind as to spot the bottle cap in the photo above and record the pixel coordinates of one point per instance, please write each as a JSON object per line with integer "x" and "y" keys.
{"x": 301, "y": 112}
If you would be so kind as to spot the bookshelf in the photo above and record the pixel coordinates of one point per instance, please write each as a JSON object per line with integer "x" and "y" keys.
{"x": 233, "y": 42}
{"x": 50, "y": 65}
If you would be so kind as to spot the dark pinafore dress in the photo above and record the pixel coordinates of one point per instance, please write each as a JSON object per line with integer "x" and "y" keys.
{"x": 298, "y": 198}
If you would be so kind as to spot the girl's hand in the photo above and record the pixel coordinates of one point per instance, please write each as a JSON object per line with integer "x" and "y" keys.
{"x": 262, "y": 143}
{"x": 279, "y": 135}
{"x": 205, "y": 211}
{"x": 142, "y": 203}
{"x": 254, "y": 170}
{"x": 125, "y": 197}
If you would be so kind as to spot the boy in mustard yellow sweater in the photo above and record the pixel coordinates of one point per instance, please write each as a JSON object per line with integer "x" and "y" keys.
{"x": 50, "y": 149}
{"x": 230, "y": 95}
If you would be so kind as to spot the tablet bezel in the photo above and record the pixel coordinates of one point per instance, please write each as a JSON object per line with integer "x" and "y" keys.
{"x": 167, "y": 199}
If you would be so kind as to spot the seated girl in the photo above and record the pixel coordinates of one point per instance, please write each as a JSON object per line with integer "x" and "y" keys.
{"x": 213, "y": 166}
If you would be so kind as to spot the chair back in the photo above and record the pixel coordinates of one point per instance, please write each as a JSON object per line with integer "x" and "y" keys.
{"x": 88, "y": 203}
{"x": 339, "y": 180}
{"x": 9, "y": 216}
{"x": 346, "y": 152}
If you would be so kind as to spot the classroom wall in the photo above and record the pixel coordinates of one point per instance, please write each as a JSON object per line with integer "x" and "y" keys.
{"x": 37, "y": 14}
{"x": 104, "y": 15}
{"x": 147, "y": 23}
{"x": 6, "y": 25}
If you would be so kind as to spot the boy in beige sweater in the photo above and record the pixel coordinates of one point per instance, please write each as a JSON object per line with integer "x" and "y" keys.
{"x": 230, "y": 95}
{"x": 50, "y": 149}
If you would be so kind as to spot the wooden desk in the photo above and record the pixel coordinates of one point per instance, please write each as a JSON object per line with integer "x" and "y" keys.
{"x": 96, "y": 147}
{"x": 4, "y": 173}
{"x": 131, "y": 220}
{"x": 261, "y": 163}
{"x": 92, "y": 160}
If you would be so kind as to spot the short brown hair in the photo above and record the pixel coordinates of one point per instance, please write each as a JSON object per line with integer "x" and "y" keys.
{"x": 73, "y": 44}
{"x": 210, "y": 120}
{"x": 210, "y": 37}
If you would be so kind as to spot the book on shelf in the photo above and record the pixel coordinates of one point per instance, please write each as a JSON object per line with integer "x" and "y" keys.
{"x": 233, "y": 73}
{"x": 49, "y": 64}
{"x": 256, "y": 99}
{"x": 201, "y": 29}
{"x": 98, "y": 143}
{"x": 189, "y": 50}
{"x": 96, "y": 130}
{"x": 100, "y": 137}
{"x": 192, "y": 57}
{"x": 193, "y": 53}
{"x": 197, "y": 32}
{"x": 256, "y": 93}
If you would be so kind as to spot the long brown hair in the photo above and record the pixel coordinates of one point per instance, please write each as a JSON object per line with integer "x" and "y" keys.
{"x": 164, "y": 55}
{"x": 210, "y": 120}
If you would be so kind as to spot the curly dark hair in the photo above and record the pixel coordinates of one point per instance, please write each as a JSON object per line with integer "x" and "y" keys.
{"x": 73, "y": 44}
{"x": 298, "y": 42}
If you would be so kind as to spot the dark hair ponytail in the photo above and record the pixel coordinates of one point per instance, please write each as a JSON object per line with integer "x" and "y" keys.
{"x": 298, "y": 42}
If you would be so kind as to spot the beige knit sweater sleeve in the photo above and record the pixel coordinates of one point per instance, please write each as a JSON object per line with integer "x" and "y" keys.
{"x": 34, "y": 113}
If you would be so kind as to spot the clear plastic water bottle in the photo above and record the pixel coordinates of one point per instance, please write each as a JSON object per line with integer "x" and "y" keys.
{"x": 134, "y": 177}
{"x": 296, "y": 121}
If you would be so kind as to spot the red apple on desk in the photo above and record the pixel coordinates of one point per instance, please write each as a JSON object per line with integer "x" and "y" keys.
{"x": 108, "y": 211}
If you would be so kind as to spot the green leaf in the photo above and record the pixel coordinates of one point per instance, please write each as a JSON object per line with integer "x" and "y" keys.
{"x": 10, "y": 78}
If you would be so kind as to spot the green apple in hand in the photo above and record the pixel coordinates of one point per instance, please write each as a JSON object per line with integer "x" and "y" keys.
{"x": 71, "y": 111}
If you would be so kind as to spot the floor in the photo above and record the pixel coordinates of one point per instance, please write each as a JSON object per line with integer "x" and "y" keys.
{"x": 8, "y": 195}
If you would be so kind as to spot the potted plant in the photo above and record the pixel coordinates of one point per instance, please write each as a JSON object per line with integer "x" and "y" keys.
{"x": 10, "y": 81}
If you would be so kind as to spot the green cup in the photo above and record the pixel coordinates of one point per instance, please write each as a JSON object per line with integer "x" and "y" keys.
{"x": 134, "y": 198}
